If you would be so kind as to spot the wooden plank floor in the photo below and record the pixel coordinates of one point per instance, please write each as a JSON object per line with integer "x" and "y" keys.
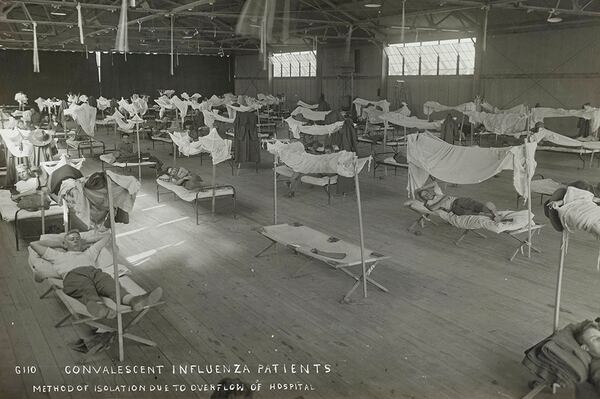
{"x": 454, "y": 325}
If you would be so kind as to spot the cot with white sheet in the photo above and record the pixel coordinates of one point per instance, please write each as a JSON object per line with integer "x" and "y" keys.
{"x": 580, "y": 152}
{"x": 195, "y": 196}
{"x": 317, "y": 245}
{"x": 107, "y": 163}
{"x": 10, "y": 212}
{"x": 515, "y": 223}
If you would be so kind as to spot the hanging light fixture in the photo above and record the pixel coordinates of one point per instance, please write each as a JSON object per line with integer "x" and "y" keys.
{"x": 553, "y": 17}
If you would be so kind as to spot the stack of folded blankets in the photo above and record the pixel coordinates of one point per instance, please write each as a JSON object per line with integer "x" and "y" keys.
{"x": 559, "y": 358}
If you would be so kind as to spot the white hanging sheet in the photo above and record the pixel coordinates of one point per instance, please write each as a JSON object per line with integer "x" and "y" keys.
{"x": 540, "y": 113}
{"x": 343, "y": 163}
{"x": 410, "y": 121}
{"x": 212, "y": 143}
{"x": 360, "y": 103}
{"x": 429, "y": 107}
{"x": 310, "y": 114}
{"x": 428, "y": 155}
{"x": 211, "y": 116}
{"x": 499, "y": 123}
{"x": 302, "y": 104}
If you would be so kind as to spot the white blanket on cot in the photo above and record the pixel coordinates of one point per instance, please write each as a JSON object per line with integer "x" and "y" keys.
{"x": 190, "y": 195}
{"x": 310, "y": 114}
{"x": 218, "y": 148}
{"x": 517, "y": 109}
{"x": 297, "y": 127}
{"x": 102, "y": 103}
{"x": 559, "y": 139}
{"x": 520, "y": 220}
{"x": 85, "y": 116}
{"x": 398, "y": 119}
{"x": 579, "y": 212}
{"x": 429, "y": 107}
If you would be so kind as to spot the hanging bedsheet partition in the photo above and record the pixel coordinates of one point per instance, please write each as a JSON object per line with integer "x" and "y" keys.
{"x": 429, "y": 107}
{"x": 410, "y": 121}
{"x": 360, "y": 103}
{"x": 593, "y": 114}
{"x": 499, "y": 123}
{"x": 430, "y": 156}
{"x": 85, "y": 116}
{"x": 310, "y": 114}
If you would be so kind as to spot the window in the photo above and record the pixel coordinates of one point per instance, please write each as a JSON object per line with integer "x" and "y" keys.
{"x": 296, "y": 64}
{"x": 438, "y": 57}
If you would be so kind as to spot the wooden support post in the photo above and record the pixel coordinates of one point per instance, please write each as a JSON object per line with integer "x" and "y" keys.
{"x": 561, "y": 264}
{"x": 360, "y": 227}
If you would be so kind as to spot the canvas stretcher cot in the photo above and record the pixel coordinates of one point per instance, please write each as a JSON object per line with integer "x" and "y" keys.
{"x": 78, "y": 313}
{"x": 106, "y": 163}
{"x": 325, "y": 181}
{"x": 11, "y": 213}
{"x": 312, "y": 243}
{"x": 90, "y": 145}
{"x": 194, "y": 196}
{"x": 389, "y": 161}
{"x": 514, "y": 225}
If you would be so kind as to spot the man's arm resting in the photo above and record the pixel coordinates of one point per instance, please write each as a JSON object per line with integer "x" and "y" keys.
{"x": 40, "y": 246}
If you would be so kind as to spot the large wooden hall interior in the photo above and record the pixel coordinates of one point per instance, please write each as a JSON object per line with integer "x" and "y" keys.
{"x": 297, "y": 199}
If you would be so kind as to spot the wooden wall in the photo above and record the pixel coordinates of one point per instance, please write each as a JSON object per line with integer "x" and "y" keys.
{"x": 62, "y": 72}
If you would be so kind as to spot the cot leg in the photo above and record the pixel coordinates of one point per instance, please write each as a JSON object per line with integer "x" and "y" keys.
{"x": 533, "y": 393}
{"x": 196, "y": 209}
{"x": 45, "y": 294}
{"x": 62, "y": 321}
{"x": 328, "y": 195}
{"x": 464, "y": 233}
{"x": 479, "y": 234}
{"x": 17, "y": 232}
{"x": 234, "y": 206}
{"x": 265, "y": 250}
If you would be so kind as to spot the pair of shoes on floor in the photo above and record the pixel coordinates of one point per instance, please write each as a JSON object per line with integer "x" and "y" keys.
{"x": 139, "y": 302}
{"x": 100, "y": 310}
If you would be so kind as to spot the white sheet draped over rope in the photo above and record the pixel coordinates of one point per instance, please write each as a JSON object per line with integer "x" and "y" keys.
{"x": 84, "y": 115}
{"x": 410, "y": 121}
{"x": 360, "y": 103}
{"x": 232, "y": 109}
{"x": 302, "y": 104}
{"x": 119, "y": 118}
{"x": 343, "y": 163}
{"x": 181, "y": 105}
{"x": 310, "y": 114}
{"x": 211, "y": 116}
{"x": 559, "y": 139}
{"x": 429, "y": 107}
{"x": 499, "y": 123}
{"x": 102, "y": 103}
{"x": 218, "y": 148}
{"x": 517, "y": 109}
{"x": 540, "y": 113}
{"x": 15, "y": 142}
{"x": 297, "y": 127}
{"x": 428, "y": 155}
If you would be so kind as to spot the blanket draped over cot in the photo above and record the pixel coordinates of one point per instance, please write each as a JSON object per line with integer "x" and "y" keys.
{"x": 580, "y": 212}
{"x": 84, "y": 115}
{"x": 211, "y": 116}
{"x": 429, "y": 107}
{"x": 343, "y": 163}
{"x": 305, "y": 105}
{"x": 517, "y": 220}
{"x": 297, "y": 127}
{"x": 428, "y": 155}
{"x": 410, "y": 121}
{"x": 360, "y": 103}
{"x": 232, "y": 109}
{"x": 538, "y": 115}
{"x": 218, "y": 148}
{"x": 16, "y": 143}
{"x": 499, "y": 123}
{"x": 310, "y": 114}
{"x": 138, "y": 106}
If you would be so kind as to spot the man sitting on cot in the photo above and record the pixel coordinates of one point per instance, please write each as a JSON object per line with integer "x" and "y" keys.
{"x": 126, "y": 153}
{"x": 434, "y": 199}
{"x": 74, "y": 261}
{"x": 182, "y": 177}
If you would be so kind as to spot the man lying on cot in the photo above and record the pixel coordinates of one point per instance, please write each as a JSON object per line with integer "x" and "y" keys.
{"x": 434, "y": 199}
{"x": 181, "y": 177}
{"x": 74, "y": 261}
{"x": 589, "y": 339}
{"x": 126, "y": 153}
